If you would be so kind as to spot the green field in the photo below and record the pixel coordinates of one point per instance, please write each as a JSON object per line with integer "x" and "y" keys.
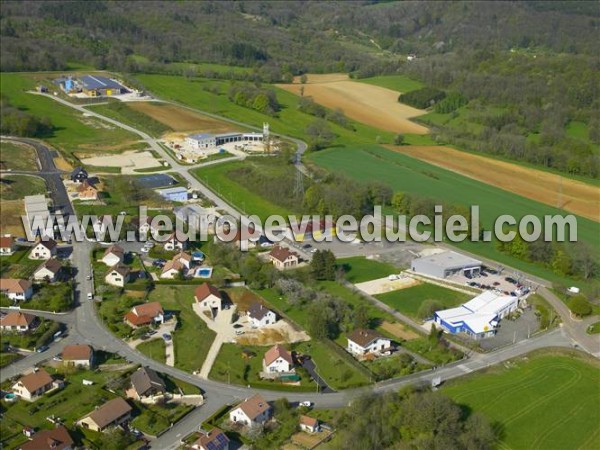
{"x": 216, "y": 176}
{"x": 73, "y": 132}
{"x": 192, "y": 338}
{"x": 15, "y": 187}
{"x": 154, "y": 349}
{"x": 123, "y": 113}
{"x": 400, "y": 83}
{"x": 402, "y": 173}
{"x": 17, "y": 157}
{"x": 289, "y": 121}
{"x": 359, "y": 269}
{"x": 407, "y": 301}
{"x": 543, "y": 401}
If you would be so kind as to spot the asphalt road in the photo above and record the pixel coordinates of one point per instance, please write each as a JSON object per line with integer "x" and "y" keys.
{"x": 87, "y": 327}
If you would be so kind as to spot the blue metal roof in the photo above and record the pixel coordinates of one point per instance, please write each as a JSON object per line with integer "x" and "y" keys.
{"x": 98, "y": 82}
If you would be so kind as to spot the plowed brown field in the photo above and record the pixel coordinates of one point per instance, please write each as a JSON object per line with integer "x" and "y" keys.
{"x": 548, "y": 188}
{"x": 371, "y": 105}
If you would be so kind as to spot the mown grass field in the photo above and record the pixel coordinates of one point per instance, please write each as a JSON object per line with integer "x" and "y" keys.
{"x": 154, "y": 349}
{"x": 400, "y": 83}
{"x": 408, "y": 301}
{"x": 15, "y": 187}
{"x": 73, "y": 132}
{"x": 405, "y": 174}
{"x": 123, "y": 112}
{"x": 543, "y": 401}
{"x": 359, "y": 269}
{"x": 17, "y": 156}
{"x": 192, "y": 338}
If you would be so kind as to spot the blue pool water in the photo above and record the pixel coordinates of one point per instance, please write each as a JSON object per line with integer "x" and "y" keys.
{"x": 204, "y": 272}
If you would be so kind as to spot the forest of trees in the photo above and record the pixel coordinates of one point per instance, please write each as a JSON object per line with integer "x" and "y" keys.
{"x": 255, "y": 97}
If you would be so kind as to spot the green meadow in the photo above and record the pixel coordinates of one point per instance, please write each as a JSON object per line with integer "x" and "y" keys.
{"x": 542, "y": 401}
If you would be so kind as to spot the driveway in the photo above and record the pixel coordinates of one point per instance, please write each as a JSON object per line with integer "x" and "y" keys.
{"x": 311, "y": 368}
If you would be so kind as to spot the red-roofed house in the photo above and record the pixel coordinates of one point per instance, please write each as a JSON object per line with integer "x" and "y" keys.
{"x": 118, "y": 275}
{"x": 208, "y": 297}
{"x": 7, "y": 245}
{"x": 78, "y": 355}
{"x": 252, "y": 411}
{"x": 283, "y": 258}
{"x": 278, "y": 360}
{"x": 85, "y": 191}
{"x": 215, "y": 439}
{"x": 16, "y": 289}
{"x": 145, "y": 314}
{"x": 17, "y": 321}
{"x": 56, "y": 439}
{"x": 309, "y": 424}
{"x": 33, "y": 385}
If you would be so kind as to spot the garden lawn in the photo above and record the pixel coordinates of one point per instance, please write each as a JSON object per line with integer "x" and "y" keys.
{"x": 156, "y": 419}
{"x": 408, "y": 301}
{"x": 192, "y": 338}
{"x": 359, "y": 269}
{"x": 8, "y": 358}
{"x": 594, "y": 328}
{"x": 241, "y": 364}
{"x": 154, "y": 349}
{"x": 541, "y": 401}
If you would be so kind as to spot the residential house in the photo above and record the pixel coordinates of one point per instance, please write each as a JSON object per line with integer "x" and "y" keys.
{"x": 114, "y": 412}
{"x": 174, "y": 243}
{"x": 215, "y": 439}
{"x": 7, "y": 245}
{"x": 99, "y": 227}
{"x": 48, "y": 270}
{"x": 118, "y": 275}
{"x": 33, "y": 385}
{"x": 78, "y": 355}
{"x": 283, "y": 258}
{"x": 278, "y": 360}
{"x": 144, "y": 225}
{"x": 85, "y": 191}
{"x": 145, "y": 383}
{"x": 43, "y": 249}
{"x": 252, "y": 411}
{"x": 55, "y": 439}
{"x": 180, "y": 263}
{"x": 363, "y": 341}
{"x": 17, "y": 321}
{"x": 309, "y": 424}
{"x": 208, "y": 297}
{"x": 79, "y": 175}
{"x": 113, "y": 255}
{"x": 16, "y": 289}
{"x": 260, "y": 316}
{"x": 145, "y": 314}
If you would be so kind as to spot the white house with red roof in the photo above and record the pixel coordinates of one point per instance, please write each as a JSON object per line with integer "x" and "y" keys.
{"x": 7, "y": 245}
{"x": 43, "y": 249}
{"x": 278, "y": 360}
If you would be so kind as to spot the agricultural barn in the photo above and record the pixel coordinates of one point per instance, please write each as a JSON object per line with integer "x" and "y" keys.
{"x": 174, "y": 194}
{"x": 156, "y": 181}
{"x": 479, "y": 317}
{"x": 445, "y": 264}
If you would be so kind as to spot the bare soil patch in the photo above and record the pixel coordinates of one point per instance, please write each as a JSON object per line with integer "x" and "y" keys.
{"x": 383, "y": 285}
{"x": 371, "y": 105}
{"x": 281, "y": 332}
{"x": 399, "y": 330}
{"x": 548, "y": 188}
{"x": 306, "y": 440}
{"x": 128, "y": 161}
{"x": 180, "y": 119}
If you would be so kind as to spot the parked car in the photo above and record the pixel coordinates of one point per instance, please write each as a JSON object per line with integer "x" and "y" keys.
{"x": 305, "y": 403}
{"x": 90, "y": 296}
{"x": 166, "y": 336}
{"x": 42, "y": 349}
{"x": 144, "y": 249}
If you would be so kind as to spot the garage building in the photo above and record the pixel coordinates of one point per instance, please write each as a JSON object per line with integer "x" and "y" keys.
{"x": 445, "y": 264}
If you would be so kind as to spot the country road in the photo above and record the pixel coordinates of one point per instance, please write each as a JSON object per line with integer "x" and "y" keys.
{"x": 85, "y": 326}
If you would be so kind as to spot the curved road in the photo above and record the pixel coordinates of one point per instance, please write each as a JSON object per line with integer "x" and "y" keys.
{"x": 85, "y": 326}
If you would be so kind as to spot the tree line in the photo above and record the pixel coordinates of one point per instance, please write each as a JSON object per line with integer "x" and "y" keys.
{"x": 15, "y": 122}
{"x": 255, "y": 97}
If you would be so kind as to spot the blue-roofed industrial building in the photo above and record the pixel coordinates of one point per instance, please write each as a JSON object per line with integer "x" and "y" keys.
{"x": 92, "y": 85}
{"x": 174, "y": 194}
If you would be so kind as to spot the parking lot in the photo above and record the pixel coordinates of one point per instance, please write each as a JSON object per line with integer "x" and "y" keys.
{"x": 506, "y": 283}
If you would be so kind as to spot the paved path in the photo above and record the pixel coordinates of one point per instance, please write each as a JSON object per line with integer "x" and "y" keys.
{"x": 222, "y": 326}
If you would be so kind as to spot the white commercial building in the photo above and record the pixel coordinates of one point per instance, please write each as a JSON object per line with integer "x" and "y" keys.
{"x": 445, "y": 264}
{"x": 478, "y": 317}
